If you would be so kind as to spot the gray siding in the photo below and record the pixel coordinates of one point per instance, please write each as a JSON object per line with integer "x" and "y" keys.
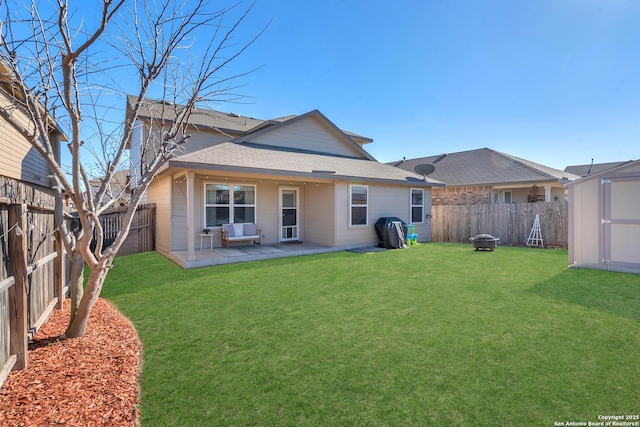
{"x": 159, "y": 192}
{"x": 308, "y": 134}
{"x": 384, "y": 201}
{"x": 319, "y": 219}
{"x": 346, "y": 235}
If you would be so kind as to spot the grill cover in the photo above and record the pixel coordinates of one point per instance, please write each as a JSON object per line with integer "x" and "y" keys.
{"x": 391, "y": 232}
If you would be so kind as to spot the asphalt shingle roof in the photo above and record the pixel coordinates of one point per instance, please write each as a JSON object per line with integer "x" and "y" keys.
{"x": 584, "y": 170}
{"x": 485, "y": 167}
{"x": 200, "y": 118}
{"x": 206, "y": 119}
{"x": 278, "y": 161}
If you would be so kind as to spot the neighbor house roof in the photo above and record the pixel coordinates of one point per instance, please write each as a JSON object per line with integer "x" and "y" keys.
{"x": 594, "y": 168}
{"x": 119, "y": 186}
{"x": 119, "y": 180}
{"x": 270, "y": 160}
{"x": 485, "y": 166}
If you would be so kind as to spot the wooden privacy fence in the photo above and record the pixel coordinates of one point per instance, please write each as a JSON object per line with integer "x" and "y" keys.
{"x": 141, "y": 236}
{"x": 511, "y": 222}
{"x": 32, "y": 278}
{"x": 34, "y": 268}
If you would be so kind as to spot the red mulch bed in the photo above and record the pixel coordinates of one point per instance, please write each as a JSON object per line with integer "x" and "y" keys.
{"x": 89, "y": 381}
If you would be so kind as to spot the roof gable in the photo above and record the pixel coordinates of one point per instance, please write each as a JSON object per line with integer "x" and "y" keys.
{"x": 310, "y": 132}
{"x": 485, "y": 167}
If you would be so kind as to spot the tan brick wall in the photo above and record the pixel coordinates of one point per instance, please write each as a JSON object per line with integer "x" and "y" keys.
{"x": 460, "y": 195}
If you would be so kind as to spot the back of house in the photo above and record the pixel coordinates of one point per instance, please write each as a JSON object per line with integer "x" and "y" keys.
{"x": 298, "y": 178}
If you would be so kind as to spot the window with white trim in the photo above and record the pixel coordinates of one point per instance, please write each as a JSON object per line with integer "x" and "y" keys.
{"x": 502, "y": 197}
{"x": 228, "y": 204}
{"x": 417, "y": 205}
{"x": 359, "y": 204}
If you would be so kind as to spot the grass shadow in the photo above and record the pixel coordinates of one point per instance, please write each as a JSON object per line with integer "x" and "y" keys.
{"x": 611, "y": 292}
{"x": 153, "y": 270}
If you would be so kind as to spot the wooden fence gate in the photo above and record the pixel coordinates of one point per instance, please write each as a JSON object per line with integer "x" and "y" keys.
{"x": 511, "y": 222}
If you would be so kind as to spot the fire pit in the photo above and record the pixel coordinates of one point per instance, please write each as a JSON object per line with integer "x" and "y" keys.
{"x": 485, "y": 242}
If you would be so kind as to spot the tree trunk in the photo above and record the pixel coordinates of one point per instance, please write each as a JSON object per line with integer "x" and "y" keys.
{"x": 76, "y": 287}
{"x": 78, "y": 326}
{"x": 154, "y": 51}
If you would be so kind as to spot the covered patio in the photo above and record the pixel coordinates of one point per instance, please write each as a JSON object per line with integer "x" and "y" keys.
{"x": 207, "y": 256}
{"x": 299, "y": 178}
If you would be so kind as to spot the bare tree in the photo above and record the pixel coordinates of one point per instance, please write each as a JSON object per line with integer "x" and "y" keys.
{"x": 74, "y": 64}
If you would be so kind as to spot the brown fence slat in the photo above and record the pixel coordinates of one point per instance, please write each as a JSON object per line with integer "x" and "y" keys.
{"x": 7, "y": 360}
{"x": 29, "y": 287}
{"x": 6, "y": 367}
{"x": 141, "y": 233}
{"x": 511, "y": 222}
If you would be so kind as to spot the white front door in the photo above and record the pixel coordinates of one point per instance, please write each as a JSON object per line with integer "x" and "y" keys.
{"x": 289, "y": 214}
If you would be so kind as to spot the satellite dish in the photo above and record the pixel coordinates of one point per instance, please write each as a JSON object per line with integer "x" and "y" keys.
{"x": 424, "y": 169}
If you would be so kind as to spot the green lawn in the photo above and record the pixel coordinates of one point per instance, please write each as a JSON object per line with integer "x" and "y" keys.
{"x": 435, "y": 334}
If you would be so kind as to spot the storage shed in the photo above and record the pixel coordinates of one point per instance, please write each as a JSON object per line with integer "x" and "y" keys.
{"x": 604, "y": 220}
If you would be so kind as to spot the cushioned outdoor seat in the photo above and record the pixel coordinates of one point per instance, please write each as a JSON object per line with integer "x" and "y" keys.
{"x": 240, "y": 232}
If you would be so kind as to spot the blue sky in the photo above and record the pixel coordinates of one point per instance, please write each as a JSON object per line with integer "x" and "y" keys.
{"x": 553, "y": 81}
{"x": 556, "y": 82}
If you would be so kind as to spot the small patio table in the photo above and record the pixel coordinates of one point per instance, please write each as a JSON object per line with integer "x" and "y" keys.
{"x": 210, "y": 236}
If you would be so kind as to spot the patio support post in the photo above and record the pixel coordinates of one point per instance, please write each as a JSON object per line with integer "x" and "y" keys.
{"x": 190, "y": 217}
{"x": 547, "y": 193}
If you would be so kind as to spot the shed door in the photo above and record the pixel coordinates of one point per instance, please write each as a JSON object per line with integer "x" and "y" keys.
{"x": 621, "y": 221}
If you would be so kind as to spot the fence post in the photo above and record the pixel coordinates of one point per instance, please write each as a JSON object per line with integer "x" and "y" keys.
{"x": 59, "y": 274}
{"x": 17, "y": 215}
{"x": 151, "y": 228}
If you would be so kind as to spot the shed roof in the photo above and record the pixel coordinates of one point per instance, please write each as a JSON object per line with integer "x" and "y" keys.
{"x": 485, "y": 166}
{"x": 604, "y": 173}
{"x": 594, "y": 168}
